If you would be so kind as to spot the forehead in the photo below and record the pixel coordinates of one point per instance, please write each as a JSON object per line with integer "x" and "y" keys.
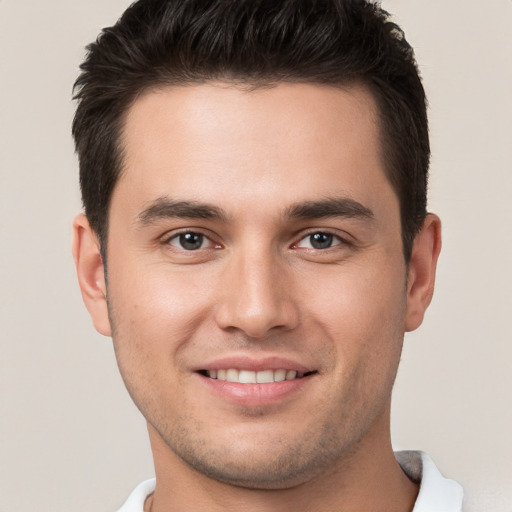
{"x": 273, "y": 146}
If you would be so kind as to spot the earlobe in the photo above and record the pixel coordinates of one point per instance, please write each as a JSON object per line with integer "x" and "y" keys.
{"x": 422, "y": 271}
{"x": 90, "y": 273}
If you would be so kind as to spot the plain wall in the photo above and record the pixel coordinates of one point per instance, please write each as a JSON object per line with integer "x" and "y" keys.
{"x": 70, "y": 438}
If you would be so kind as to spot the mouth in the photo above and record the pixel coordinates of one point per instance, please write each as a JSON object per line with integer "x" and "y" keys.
{"x": 242, "y": 376}
{"x": 256, "y": 382}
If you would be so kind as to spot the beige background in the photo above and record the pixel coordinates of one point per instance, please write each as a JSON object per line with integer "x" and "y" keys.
{"x": 70, "y": 439}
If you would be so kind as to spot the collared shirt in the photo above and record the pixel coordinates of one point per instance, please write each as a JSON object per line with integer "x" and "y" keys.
{"x": 437, "y": 493}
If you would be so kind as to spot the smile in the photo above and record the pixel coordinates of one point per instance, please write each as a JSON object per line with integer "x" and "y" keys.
{"x": 254, "y": 377}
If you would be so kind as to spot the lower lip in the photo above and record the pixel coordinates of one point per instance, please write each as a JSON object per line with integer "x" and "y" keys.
{"x": 255, "y": 394}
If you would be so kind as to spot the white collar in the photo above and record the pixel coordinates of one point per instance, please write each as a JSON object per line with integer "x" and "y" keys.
{"x": 135, "y": 502}
{"x": 437, "y": 493}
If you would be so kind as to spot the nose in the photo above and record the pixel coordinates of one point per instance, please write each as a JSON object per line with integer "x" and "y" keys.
{"x": 257, "y": 297}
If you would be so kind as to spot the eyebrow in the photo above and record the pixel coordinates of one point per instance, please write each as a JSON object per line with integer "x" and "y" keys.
{"x": 165, "y": 208}
{"x": 329, "y": 207}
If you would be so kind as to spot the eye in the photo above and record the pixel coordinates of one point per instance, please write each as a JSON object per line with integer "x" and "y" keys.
{"x": 190, "y": 241}
{"x": 319, "y": 240}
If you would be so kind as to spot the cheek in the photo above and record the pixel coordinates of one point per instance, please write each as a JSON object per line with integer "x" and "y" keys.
{"x": 152, "y": 317}
{"x": 362, "y": 311}
{"x": 160, "y": 297}
{"x": 357, "y": 297}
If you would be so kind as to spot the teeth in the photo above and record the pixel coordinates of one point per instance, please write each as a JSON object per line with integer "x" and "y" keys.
{"x": 232, "y": 375}
{"x": 290, "y": 375}
{"x": 247, "y": 377}
{"x": 250, "y": 377}
{"x": 265, "y": 376}
{"x": 279, "y": 375}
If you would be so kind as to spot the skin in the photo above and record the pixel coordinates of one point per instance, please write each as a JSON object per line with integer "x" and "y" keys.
{"x": 258, "y": 287}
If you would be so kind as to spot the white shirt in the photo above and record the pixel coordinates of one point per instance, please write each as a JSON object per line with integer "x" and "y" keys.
{"x": 437, "y": 493}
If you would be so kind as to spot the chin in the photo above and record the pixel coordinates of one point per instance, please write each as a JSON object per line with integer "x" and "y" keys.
{"x": 258, "y": 462}
{"x": 281, "y": 473}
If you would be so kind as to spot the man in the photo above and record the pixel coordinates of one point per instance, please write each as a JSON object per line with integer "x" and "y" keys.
{"x": 256, "y": 242}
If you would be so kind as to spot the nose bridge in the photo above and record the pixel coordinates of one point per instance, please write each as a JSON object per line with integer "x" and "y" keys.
{"x": 257, "y": 296}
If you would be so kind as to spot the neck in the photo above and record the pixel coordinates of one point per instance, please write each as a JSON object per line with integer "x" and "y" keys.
{"x": 368, "y": 478}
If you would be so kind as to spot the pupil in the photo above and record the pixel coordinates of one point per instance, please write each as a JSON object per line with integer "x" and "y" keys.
{"x": 321, "y": 240}
{"x": 191, "y": 241}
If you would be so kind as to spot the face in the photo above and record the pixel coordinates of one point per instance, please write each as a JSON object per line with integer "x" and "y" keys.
{"x": 257, "y": 291}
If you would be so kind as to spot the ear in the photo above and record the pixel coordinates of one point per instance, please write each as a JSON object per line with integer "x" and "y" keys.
{"x": 90, "y": 272}
{"x": 422, "y": 271}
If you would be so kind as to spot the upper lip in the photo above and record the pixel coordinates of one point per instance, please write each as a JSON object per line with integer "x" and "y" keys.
{"x": 255, "y": 364}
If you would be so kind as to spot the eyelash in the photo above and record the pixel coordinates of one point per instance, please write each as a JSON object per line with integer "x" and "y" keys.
{"x": 176, "y": 236}
{"x": 335, "y": 240}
